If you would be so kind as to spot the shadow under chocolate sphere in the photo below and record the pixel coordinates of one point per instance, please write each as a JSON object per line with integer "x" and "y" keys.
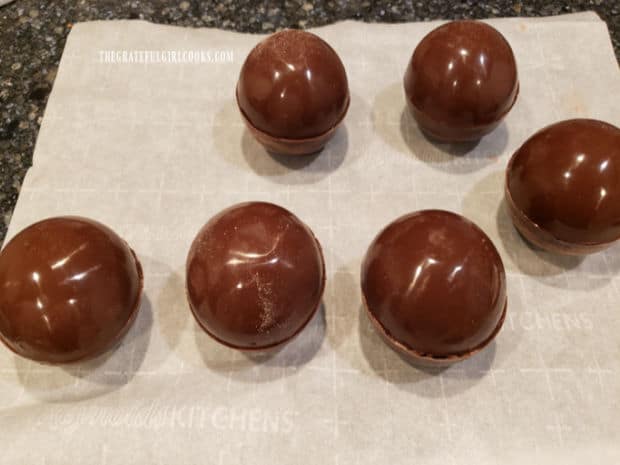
{"x": 274, "y": 364}
{"x": 458, "y": 158}
{"x": 393, "y": 121}
{"x": 236, "y": 145}
{"x": 277, "y": 166}
{"x": 530, "y": 259}
{"x": 534, "y": 261}
{"x": 486, "y": 206}
{"x": 401, "y": 372}
{"x": 486, "y": 197}
{"x": 95, "y": 377}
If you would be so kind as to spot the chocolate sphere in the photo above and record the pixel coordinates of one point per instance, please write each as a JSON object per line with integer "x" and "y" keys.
{"x": 434, "y": 286}
{"x": 255, "y": 276}
{"x": 70, "y": 289}
{"x": 461, "y": 81}
{"x": 563, "y": 187}
{"x": 293, "y": 92}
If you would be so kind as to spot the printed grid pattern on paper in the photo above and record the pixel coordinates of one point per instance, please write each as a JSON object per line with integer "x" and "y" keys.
{"x": 155, "y": 150}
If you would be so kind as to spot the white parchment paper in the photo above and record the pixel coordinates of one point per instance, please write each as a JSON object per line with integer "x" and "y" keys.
{"x": 154, "y": 150}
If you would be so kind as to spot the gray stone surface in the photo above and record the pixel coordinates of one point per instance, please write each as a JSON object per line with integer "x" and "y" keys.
{"x": 33, "y": 33}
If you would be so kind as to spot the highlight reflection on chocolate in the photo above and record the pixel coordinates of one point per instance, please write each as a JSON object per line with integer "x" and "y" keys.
{"x": 293, "y": 92}
{"x": 434, "y": 286}
{"x": 461, "y": 81}
{"x": 69, "y": 289}
{"x": 255, "y": 276}
{"x": 562, "y": 187}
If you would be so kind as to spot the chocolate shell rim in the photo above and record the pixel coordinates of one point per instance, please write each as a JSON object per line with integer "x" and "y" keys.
{"x": 479, "y": 128}
{"x": 548, "y": 235}
{"x": 275, "y": 345}
{"x": 124, "y": 330}
{"x": 300, "y": 140}
{"x": 425, "y": 359}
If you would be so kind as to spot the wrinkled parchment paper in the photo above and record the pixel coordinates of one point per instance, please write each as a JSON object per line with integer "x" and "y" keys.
{"x": 153, "y": 150}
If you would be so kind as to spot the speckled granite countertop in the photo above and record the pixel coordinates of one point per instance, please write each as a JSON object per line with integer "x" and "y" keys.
{"x": 33, "y": 34}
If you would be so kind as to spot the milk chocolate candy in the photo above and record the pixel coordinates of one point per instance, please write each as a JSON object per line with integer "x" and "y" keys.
{"x": 461, "y": 81}
{"x": 69, "y": 290}
{"x": 292, "y": 92}
{"x": 434, "y": 287}
{"x": 563, "y": 187}
{"x": 255, "y": 276}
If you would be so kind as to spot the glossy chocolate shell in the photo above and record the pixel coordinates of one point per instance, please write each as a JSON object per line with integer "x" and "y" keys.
{"x": 255, "y": 276}
{"x": 563, "y": 187}
{"x": 69, "y": 289}
{"x": 461, "y": 81}
{"x": 434, "y": 286}
{"x": 293, "y": 92}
